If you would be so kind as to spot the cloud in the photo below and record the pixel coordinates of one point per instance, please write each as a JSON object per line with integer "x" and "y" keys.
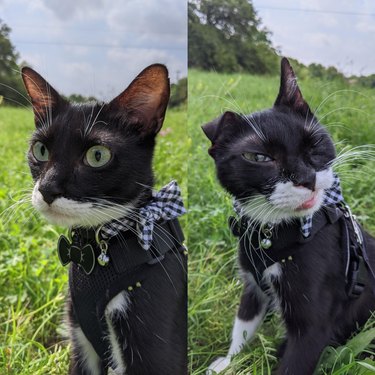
{"x": 152, "y": 16}
{"x": 365, "y": 25}
{"x": 68, "y": 9}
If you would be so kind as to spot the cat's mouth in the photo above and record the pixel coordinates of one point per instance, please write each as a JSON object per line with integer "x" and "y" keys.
{"x": 309, "y": 203}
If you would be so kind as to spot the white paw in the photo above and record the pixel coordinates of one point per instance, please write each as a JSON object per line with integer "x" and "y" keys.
{"x": 218, "y": 365}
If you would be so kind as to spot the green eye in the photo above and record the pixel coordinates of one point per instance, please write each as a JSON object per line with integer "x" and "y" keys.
{"x": 256, "y": 157}
{"x": 97, "y": 156}
{"x": 40, "y": 151}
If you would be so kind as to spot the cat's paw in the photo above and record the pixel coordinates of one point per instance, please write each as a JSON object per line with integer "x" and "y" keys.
{"x": 218, "y": 365}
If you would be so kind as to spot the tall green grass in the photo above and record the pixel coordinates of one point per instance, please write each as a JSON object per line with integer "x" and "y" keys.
{"x": 214, "y": 284}
{"x": 33, "y": 283}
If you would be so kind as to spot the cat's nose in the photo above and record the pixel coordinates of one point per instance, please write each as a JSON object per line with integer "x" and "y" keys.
{"x": 50, "y": 193}
{"x": 307, "y": 181}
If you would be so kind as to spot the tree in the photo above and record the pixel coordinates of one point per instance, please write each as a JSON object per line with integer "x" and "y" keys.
{"x": 226, "y": 35}
{"x": 178, "y": 93}
{"x": 11, "y": 86}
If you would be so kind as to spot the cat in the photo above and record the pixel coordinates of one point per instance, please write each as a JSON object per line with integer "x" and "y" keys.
{"x": 299, "y": 245}
{"x": 92, "y": 168}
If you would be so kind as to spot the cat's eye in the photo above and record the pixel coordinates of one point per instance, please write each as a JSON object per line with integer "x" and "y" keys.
{"x": 40, "y": 151}
{"x": 97, "y": 156}
{"x": 250, "y": 156}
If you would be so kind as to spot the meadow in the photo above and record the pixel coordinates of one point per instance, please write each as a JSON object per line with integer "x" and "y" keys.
{"x": 33, "y": 283}
{"x": 348, "y": 111}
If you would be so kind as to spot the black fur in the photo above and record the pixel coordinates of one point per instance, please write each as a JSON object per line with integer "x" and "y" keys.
{"x": 152, "y": 333}
{"x": 312, "y": 288}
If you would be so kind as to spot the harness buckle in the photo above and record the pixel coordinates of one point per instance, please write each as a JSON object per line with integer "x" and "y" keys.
{"x": 357, "y": 277}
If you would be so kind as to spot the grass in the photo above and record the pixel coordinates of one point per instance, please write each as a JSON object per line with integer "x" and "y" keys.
{"x": 214, "y": 285}
{"x": 33, "y": 283}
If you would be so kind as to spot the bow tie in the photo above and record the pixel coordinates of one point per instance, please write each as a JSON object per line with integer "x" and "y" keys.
{"x": 83, "y": 256}
{"x": 165, "y": 205}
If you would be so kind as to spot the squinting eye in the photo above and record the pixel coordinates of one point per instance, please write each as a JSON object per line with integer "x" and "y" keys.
{"x": 97, "y": 156}
{"x": 40, "y": 151}
{"x": 256, "y": 157}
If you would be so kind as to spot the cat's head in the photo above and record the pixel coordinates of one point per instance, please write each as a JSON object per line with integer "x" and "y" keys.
{"x": 93, "y": 162}
{"x": 277, "y": 162}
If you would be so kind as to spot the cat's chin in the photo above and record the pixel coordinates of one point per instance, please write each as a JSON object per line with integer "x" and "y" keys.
{"x": 70, "y": 213}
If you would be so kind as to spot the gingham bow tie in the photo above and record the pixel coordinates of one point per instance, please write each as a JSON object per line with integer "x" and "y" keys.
{"x": 332, "y": 196}
{"x": 165, "y": 205}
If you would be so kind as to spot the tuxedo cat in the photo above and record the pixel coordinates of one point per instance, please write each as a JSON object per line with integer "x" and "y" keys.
{"x": 299, "y": 245}
{"x": 92, "y": 168}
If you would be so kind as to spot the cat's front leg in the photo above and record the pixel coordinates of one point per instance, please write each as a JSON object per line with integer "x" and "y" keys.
{"x": 253, "y": 306}
{"x": 83, "y": 358}
{"x": 303, "y": 351}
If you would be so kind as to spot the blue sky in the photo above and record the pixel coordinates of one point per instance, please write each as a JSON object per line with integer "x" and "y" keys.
{"x": 96, "y": 47}
{"x": 335, "y": 32}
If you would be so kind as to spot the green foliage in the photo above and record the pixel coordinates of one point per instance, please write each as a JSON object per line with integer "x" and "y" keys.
{"x": 33, "y": 284}
{"x": 214, "y": 284}
{"x": 227, "y": 36}
{"x": 11, "y": 87}
{"x": 78, "y": 98}
{"x": 178, "y": 93}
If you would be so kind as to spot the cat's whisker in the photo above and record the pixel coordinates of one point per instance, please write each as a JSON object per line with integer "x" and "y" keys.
{"x": 94, "y": 122}
{"x": 335, "y": 93}
{"x": 340, "y": 109}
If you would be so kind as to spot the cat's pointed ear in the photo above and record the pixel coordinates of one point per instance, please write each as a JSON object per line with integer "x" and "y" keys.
{"x": 44, "y": 98}
{"x": 145, "y": 100}
{"x": 217, "y": 127}
{"x": 290, "y": 95}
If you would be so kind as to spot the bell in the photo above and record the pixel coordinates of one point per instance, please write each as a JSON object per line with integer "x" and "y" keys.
{"x": 103, "y": 259}
{"x": 265, "y": 243}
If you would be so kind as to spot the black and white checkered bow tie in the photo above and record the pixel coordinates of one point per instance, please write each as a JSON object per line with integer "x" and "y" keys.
{"x": 332, "y": 196}
{"x": 165, "y": 205}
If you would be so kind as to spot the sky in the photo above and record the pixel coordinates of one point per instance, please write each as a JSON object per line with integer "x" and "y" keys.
{"x": 97, "y": 47}
{"x": 338, "y": 33}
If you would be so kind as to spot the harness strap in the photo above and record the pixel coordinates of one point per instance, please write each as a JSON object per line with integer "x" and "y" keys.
{"x": 287, "y": 237}
{"x": 90, "y": 294}
{"x": 284, "y": 239}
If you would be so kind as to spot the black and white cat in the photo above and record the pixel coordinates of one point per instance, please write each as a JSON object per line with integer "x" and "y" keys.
{"x": 298, "y": 242}
{"x": 92, "y": 168}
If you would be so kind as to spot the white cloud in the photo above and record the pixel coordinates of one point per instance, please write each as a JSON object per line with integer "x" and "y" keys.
{"x": 68, "y": 9}
{"x": 365, "y": 25}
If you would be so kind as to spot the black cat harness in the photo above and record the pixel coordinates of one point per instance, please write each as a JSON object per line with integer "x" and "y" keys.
{"x": 116, "y": 257}
{"x": 265, "y": 245}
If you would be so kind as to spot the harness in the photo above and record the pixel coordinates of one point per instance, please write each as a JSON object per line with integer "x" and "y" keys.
{"x": 266, "y": 244}
{"x": 90, "y": 293}
{"x": 117, "y": 257}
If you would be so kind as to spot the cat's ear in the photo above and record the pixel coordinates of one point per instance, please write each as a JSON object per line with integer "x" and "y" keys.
{"x": 219, "y": 126}
{"x": 44, "y": 98}
{"x": 145, "y": 100}
{"x": 290, "y": 95}
{"x": 216, "y": 127}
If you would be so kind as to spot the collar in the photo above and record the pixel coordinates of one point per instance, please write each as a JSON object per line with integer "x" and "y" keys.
{"x": 164, "y": 205}
{"x": 144, "y": 228}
